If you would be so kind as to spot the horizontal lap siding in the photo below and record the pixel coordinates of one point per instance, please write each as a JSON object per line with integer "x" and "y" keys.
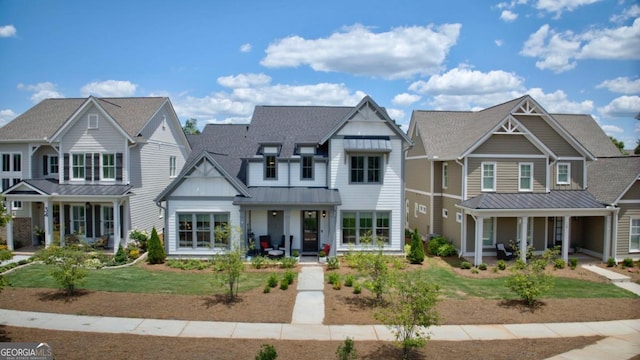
{"x": 577, "y": 175}
{"x": 624, "y": 223}
{"x": 455, "y": 179}
{"x": 417, "y": 174}
{"x": 450, "y": 227}
{"x": 418, "y": 220}
{"x": 507, "y": 174}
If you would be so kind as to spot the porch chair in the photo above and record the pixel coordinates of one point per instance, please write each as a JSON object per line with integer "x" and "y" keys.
{"x": 281, "y": 246}
{"x": 265, "y": 244}
{"x": 503, "y": 253}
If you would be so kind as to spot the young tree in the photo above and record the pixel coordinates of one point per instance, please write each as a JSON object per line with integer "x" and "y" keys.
{"x": 67, "y": 266}
{"x": 416, "y": 254}
{"x": 529, "y": 280}
{"x": 5, "y": 217}
{"x": 411, "y": 310}
{"x": 156, "y": 250}
{"x": 229, "y": 265}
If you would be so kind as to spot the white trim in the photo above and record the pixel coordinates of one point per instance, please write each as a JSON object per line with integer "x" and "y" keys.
{"x": 465, "y": 186}
{"x": 71, "y": 166}
{"x": 450, "y": 196}
{"x": 558, "y": 182}
{"x": 431, "y": 218}
{"x": 482, "y": 176}
{"x": 102, "y": 167}
{"x": 570, "y": 158}
{"x": 445, "y": 213}
{"x": 459, "y": 217}
{"x": 509, "y": 156}
{"x": 548, "y": 176}
{"x": 93, "y": 121}
{"x": 631, "y": 219}
{"x": 629, "y": 202}
{"x": 418, "y": 191}
{"x": 530, "y": 189}
{"x": 419, "y": 157}
{"x": 445, "y": 175}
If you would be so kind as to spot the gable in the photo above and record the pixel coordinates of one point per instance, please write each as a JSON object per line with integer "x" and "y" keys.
{"x": 204, "y": 180}
{"x": 165, "y": 127}
{"x": 508, "y": 144}
{"x": 633, "y": 193}
{"x": 547, "y": 135}
{"x": 101, "y": 135}
{"x": 418, "y": 148}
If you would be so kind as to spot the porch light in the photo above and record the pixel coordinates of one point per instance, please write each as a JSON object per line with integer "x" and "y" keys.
{"x": 324, "y": 213}
{"x": 274, "y": 213}
{"x": 87, "y": 205}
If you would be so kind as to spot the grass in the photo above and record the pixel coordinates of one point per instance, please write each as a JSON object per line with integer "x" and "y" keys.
{"x": 138, "y": 280}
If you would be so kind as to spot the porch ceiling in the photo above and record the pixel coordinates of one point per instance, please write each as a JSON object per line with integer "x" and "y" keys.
{"x": 569, "y": 199}
{"x": 290, "y": 196}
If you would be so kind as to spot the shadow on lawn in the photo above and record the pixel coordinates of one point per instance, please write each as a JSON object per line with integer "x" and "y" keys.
{"x": 521, "y": 306}
{"x": 4, "y": 334}
{"x": 222, "y": 299}
{"x": 59, "y": 295}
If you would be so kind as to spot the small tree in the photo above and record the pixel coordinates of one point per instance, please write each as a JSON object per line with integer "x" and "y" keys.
{"x": 156, "y": 250}
{"x": 529, "y": 280}
{"x": 267, "y": 352}
{"x": 67, "y": 266}
{"x": 375, "y": 265}
{"x": 347, "y": 350}
{"x": 411, "y": 310}
{"x": 416, "y": 254}
{"x": 229, "y": 266}
{"x": 120, "y": 257}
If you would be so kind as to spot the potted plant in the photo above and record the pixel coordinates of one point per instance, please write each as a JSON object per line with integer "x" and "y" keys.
{"x": 296, "y": 254}
{"x": 322, "y": 256}
{"x": 38, "y": 234}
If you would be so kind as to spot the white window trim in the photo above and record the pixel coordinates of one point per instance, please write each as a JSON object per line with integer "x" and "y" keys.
{"x": 12, "y": 164}
{"x": 415, "y": 210}
{"x": 71, "y": 165}
{"x": 172, "y": 167}
{"x": 50, "y": 164}
{"x": 445, "y": 175}
{"x": 520, "y": 176}
{"x": 568, "y": 165}
{"x": 459, "y": 217}
{"x": 103, "y": 220}
{"x": 630, "y": 227}
{"x": 495, "y": 175}
{"x": 102, "y": 166}
{"x": 72, "y": 224}
{"x": 445, "y": 213}
{"x": 92, "y": 122}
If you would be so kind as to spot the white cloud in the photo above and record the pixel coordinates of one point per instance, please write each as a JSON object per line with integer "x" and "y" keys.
{"x": 109, "y": 88}
{"x": 245, "y": 48}
{"x": 395, "y": 114}
{"x": 558, "y": 51}
{"x": 623, "y": 106}
{"x": 249, "y": 90}
{"x": 557, "y": 102}
{"x": 499, "y": 42}
{"x": 612, "y": 129}
{"x": 559, "y": 6}
{"x": 6, "y": 115}
{"x": 399, "y": 53}
{"x": 464, "y": 81}
{"x": 632, "y": 12}
{"x": 508, "y": 16}
{"x": 41, "y": 91}
{"x": 7, "y": 31}
{"x": 622, "y": 85}
{"x": 405, "y": 99}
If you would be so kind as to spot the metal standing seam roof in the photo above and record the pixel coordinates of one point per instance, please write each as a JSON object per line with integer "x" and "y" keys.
{"x": 52, "y": 187}
{"x": 564, "y": 199}
{"x": 368, "y": 145}
{"x": 290, "y": 196}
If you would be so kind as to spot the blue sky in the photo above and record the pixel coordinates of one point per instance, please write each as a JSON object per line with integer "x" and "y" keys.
{"x": 216, "y": 60}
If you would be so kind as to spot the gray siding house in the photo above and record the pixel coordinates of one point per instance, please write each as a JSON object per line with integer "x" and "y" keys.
{"x": 88, "y": 168}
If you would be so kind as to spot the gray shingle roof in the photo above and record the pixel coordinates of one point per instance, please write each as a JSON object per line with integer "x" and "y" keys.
{"x": 46, "y": 117}
{"x": 50, "y": 187}
{"x": 569, "y": 199}
{"x": 608, "y": 178}
{"x": 585, "y": 129}
{"x": 290, "y": 196}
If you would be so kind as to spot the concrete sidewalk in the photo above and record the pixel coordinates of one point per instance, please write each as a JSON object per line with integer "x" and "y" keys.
{"x": 617, "y": 279}
{"x": 309, "y": 306}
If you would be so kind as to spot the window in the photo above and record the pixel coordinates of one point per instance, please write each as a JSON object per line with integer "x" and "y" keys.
{"x": 372, "y": 225}
{"x": 529, "y": 231}
{"x": 488, "y": 233}
{"x": 445, "y": 213}
{"x": 365, "y": 169}
{"x": 12, "y": 162}
{"x": 525, "y": 182}
{"x": 563, "y": 173}
{"x": 172, "y": 166}
{"x": 108, "y": 166}
{"x": 93, "y": 121}
{"x": 459, "y": 217}
{"x": 17, "y": 162}
{"x": 6, "y": 162}
{"x": 422, "y": 208}
{"x": 445, "y": 175}
{"x": 270, "y": 167}
{"x": 416, "y": 209}
{"x": 77, "y": 166}
{"x": 195, "y": 230}
{"x": 634, "y": 235}
{"x": 17, "y": 204}
{"x": 6, "y": 183}
{"x": 53, "y": 165}
{"x": 107, "y": 220}
{"x": 77, "y": 219}
{"x": 488, "y": 176}
{"x": 307, "y": 167}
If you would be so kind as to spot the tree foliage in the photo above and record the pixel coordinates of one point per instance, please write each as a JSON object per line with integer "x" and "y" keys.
{"x": 191, "y": 127}
{"x": 637, "y": 149}
{"x": 67, "y": 266}
{"x": 156, "y": 251}
{"x": 5, "y": 217}
{"x": 229, "y": 265}
{"x": 416, "y": 254}
{"x": 529, "y": 280}
{"x": 619, "y": 144}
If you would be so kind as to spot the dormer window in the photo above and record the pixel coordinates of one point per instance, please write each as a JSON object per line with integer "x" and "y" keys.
{"x": 93, "y": 121}
{"x": 307, "y": 167}
{"x": 270, "y": 167}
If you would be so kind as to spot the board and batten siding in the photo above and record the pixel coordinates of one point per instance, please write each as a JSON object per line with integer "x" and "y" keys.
{"x": 507, "y": 144}
{"x": 624, "y": 228}
{"x": 506, "y": 174}
{"x": 547, "y": 135}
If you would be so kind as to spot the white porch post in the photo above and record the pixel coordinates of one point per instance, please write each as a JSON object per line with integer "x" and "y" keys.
{"x": 524, "y": 224}
{"x": 566, "y": 224}
{"x": 614, "y": 233}
{"x": 607, "y": 238}
{"x": 63, "y": 221}
{"x": 10, "y": 225}
{"x": 126, "y": 224}
{"x": 116, "y": 226}
{"x": 48, "y": 223}
{"x": 287, "y": 232}
{"x": 478, "y": 247}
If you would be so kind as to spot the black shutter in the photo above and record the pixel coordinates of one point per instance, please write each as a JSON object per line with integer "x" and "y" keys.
{"x": 87, "y": 166}
{"x": 89, "y": 222}
{"x": 96, "y": 167}
{"x": 118, "y": 166}
{"x": 96, "y": 216}
{"x": 67, "y": 219}
{"x": 66, "y": 167}
{"x": 45, "y": 165}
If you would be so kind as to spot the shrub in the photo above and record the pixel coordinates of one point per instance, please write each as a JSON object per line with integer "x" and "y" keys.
{"x": 416, "y": 254}
{"x": 475, "y": 271}
{"x": 230, "y": 266}
{"x": 259, "y": 262}
{"x": 288, "y": 262}
{"x": 156, "y": 250}
{"x": 627, "y": 262}
{"x": 67, "y": 266}
{"x": 494, "y": 269}
{"x": 267, "y": 352}
{"x": 322, "y": 254}
{"x": 337, "y": 285}
{"x": 5, "y": 254}
{"x": 134, "y": 253}
{"x": 266, "y": 289}
{"x": 141, "y": 237}
{"x": 482, "y": 266}
{"x": 357, "y": 288}
{"x": 377, "y": 270}
{"x": 347, "y": 350}
{"x": 289, "y": 276}
{"x": 284, "y": 284}
{"x": 348, "y": 280}
{"x": 465, "y": 265}
{"x": 333, "y": 263}
{"x": 519, "y": 265}
{"x": 272, "y": 280}
{"x": 333, "y": 278}
{"x": 295, "y": 253}
{"x": 573, "y": 263}
{"x": 530, "y": 282}
{"x": 399, "y": 263}
{"x": 447, "y": 249}
{"x": 559, "y": 264}
{"x": 502, "y": 265}
{"x": 121, "y": 257}
{"x": 611, "y": 262}
{"x": 93, "y": 264}
{"x": 190, "y": 264}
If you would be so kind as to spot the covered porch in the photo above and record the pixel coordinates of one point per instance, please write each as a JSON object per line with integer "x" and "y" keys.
{"x": 568, "y": 219}
{"x": 289, "y": 218}
{"x": 45, "y": 213}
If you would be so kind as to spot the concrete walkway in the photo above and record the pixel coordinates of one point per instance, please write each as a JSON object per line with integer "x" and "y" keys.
{"x": 309, "y": 306}
{"x": 616, "y": 279}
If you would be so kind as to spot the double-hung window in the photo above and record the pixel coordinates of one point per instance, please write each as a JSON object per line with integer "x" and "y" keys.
{"x": 270, "y": 167}
{"x": 172, "y": 166}
{"x": 107, "y": 220}
{"x": 108, "y": 166}
{"x": 6, "y": 162}
{"x": 77, "y": 166}
{"x": 563, "y": 173}
{"x": 53, "y": 164}
{"x": 307, "y": 167}
{"x": 488, "y": 176}
{"x": 370, "y": 225}
{"x": 78, "y": 219}
{"x": 525, "y": 177}
{"x": 488, "y": 232}
{"x": 366, "y": 169}
{"x": 634, "y": 234}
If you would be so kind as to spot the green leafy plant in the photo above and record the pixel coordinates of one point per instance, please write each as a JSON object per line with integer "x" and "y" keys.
{"x": 611, "y": 262}
{"x": 141, "y": 237}
{"x": 348, "y": 280}
{"x": 627, "y": 262}
{"x": 190, "y": 264}
{"x": 288, "y": 262}
{"x": 530, "y": 282}
{"x": 67, "y": 266}
{"x": 5, "y": 254}
{"x": 466, "y": 265}
{"x": 573, "y": 263}
{"x": 156, "y": 251}
{"x": 357, "y": 288}
{"x": 559, "y": 264}
{"x": 295, "y": 253}
{"x": 322, "y": 254}
{"x": 272, "y": 280}
{"x": 266, "y": 289}
{"x": 284, "y": 284}
{"x": 375, "y": 266}
{"x": 332, "y": 278}
{"x": 416, "y": 253}
{"x": 267, "y": 352}
{"x": 120, "y": 257}
{"x": 333, "y": 263}
{"x": 229, "y": 268}
{"x": 501, "y": 265}
{"x": 475, "y": 271}
{"x": 289, "y": 276}
{"x": 259, "y": 262}
{"x": 337, "y": 285}
{"x": 482, "y": 266}
{"x": 347, "y": 350}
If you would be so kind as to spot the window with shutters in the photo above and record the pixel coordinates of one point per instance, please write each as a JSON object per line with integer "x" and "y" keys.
{"x": 108, "y": 167}
{"x": 53, "y": 164}
{"x": 77, "y": 166}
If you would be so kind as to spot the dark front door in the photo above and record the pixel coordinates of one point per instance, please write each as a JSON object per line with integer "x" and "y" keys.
{"x": 309, "y": 231}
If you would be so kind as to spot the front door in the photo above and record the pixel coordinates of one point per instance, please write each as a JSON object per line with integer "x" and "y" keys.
{"x": 310, "y": 231}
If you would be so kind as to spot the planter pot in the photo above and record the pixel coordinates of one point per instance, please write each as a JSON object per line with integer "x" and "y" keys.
{"x": 322, "y": 260}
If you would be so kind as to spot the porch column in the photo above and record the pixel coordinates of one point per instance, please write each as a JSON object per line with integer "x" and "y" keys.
{"x": 478, "y": 247}
{"x": 244, "y": 235}
{"x": 126, "y": 223}
{"x": 524, "y": 224}
{"x": 116, "y": 226}
{"x": 63, "y": 222}
{"x": 332, "y": 231}
{"x": 566, "y": 224}
{"x": 48, "y": 223}
{"x": 607, "y": 238}
{"x": 9, "y": 225}
{"x": 614, "y": 233}
{"x": 287, "y": 232}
